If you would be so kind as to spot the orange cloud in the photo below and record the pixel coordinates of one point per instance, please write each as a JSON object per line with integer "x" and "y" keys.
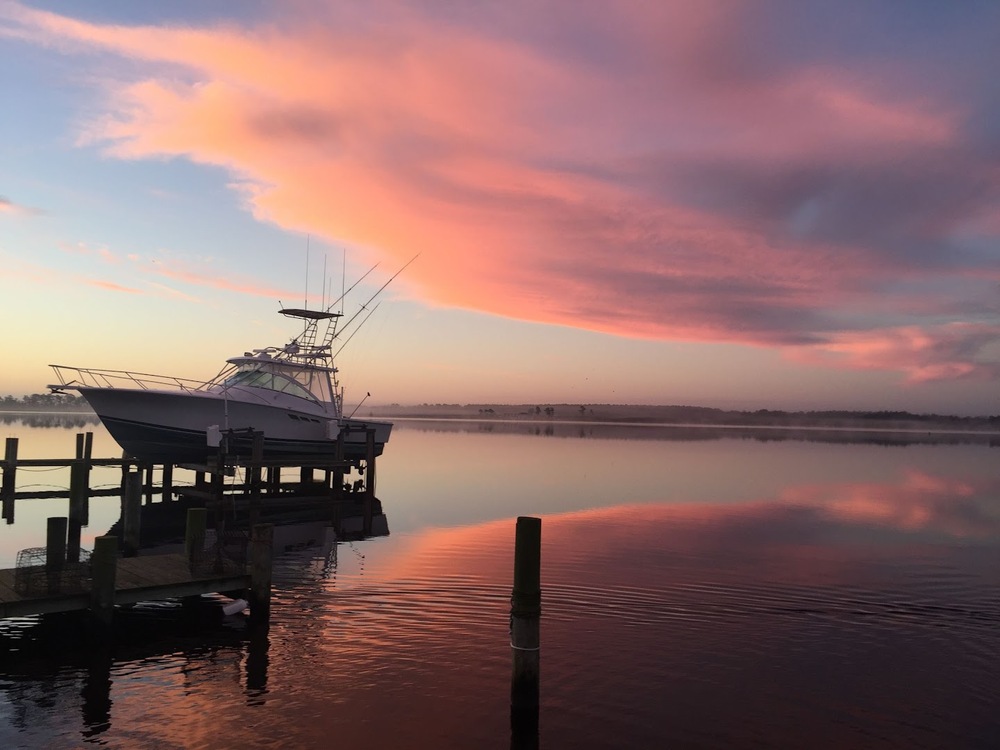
{"x": 687, "y": 184}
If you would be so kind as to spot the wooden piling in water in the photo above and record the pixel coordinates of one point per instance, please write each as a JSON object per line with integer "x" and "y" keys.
{"x": 104, "y": 568}
{"x": 79, "y": 494}
{"x": 261, "y": 541}
{"x": 525, "y": 614}
{"x": 131, "y": 513}
{"x": 7, "y": 488}
{"x": 75, "y": 523}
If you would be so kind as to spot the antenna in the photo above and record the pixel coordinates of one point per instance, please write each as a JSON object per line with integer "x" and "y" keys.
{"x": 305, "y": 298}
{"x": 323, "y": 306}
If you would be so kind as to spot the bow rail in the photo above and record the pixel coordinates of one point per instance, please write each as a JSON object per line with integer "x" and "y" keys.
{"x": 88, "y": 377}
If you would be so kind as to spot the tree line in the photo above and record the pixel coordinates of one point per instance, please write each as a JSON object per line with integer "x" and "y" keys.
{"x": 44, "y": 401}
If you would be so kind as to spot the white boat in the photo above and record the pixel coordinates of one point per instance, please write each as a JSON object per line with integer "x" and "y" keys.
{"x": 289, "y": 393}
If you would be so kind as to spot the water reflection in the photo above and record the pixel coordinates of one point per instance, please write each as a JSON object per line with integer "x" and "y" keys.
{"x": 710, "y": 593}
{"x": 96, "y": 692}
{"x": 918, "y": 502}
{"x": 662, "y": 625}
{"x": 256, "y": 665}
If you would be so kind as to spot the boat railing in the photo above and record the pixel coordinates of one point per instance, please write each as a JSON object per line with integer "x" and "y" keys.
{"x": 72, "y": 377}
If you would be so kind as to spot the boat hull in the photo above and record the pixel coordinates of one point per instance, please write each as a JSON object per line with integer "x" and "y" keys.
{"x": 174, "y": 426}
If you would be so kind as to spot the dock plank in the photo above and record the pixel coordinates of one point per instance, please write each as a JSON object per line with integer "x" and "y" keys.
{"x": 137, "y": 579}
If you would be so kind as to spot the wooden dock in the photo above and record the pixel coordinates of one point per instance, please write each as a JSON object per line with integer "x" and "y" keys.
{"x": 260, "y": 491}
{"x": 145, "y": 578}
{"x": 63, "y": 577}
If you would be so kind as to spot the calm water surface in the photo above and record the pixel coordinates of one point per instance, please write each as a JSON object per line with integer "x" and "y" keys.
{"x": 700, "y": 589}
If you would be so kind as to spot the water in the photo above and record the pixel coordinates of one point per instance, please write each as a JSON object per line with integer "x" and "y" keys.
{"x": 700, "y": 589}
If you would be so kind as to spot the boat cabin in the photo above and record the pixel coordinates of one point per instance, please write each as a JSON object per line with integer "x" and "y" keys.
{"x": 308, "y": 381}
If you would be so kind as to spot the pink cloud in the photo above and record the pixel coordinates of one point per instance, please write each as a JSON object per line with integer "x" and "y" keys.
{"x": 112, "y": 286}
{"x": 85, "y": 249}
{"x": 11, "y": 208}
{"x": 180, "y": 271}
{"x": 657, "y": 171}
{"x": 949, "y": 352}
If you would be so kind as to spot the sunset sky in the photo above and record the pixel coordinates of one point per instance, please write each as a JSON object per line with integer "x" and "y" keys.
{"x": 738, "y": 204}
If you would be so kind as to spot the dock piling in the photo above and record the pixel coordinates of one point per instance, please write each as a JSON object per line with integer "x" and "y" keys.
{"x": 79, "y": 491}
{"x": 55, "y": 551}
{"x": 104, "y": 568}
{"x": 9, "y": 475}
{"x": 525, "y": 614}
{"x": 131, "y": 513}
{"x": 78, "y": 503}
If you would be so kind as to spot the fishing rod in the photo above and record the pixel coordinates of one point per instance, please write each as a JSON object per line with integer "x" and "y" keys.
{"x": 360, "y": 326}
{"x": 365, "y": 305}
{"x": 351, "y": 287}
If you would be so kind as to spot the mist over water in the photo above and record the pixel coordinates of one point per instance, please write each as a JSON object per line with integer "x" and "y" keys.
{"x": 720, "y": 591}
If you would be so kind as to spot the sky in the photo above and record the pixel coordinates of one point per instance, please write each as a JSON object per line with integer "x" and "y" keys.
{"x": 766, "y": 204}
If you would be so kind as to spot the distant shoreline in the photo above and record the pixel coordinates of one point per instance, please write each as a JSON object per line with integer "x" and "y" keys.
{"x": 710, "y": 425}
{"x": 625, "y": 415}
{"x": 692, "y": 416}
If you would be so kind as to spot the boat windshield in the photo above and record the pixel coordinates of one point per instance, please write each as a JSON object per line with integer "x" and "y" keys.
{"x": 304, "y": 383}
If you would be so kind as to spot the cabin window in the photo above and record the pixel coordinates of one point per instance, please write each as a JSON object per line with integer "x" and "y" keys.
{"x": 295, "y": 383}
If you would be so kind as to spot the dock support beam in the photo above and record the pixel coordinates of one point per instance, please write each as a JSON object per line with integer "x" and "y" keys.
{"x": 9, "y": 477}
{"x": 525, "y": 614}
{"x": 104, "y": 568}
{"x": 261, "y": 553}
